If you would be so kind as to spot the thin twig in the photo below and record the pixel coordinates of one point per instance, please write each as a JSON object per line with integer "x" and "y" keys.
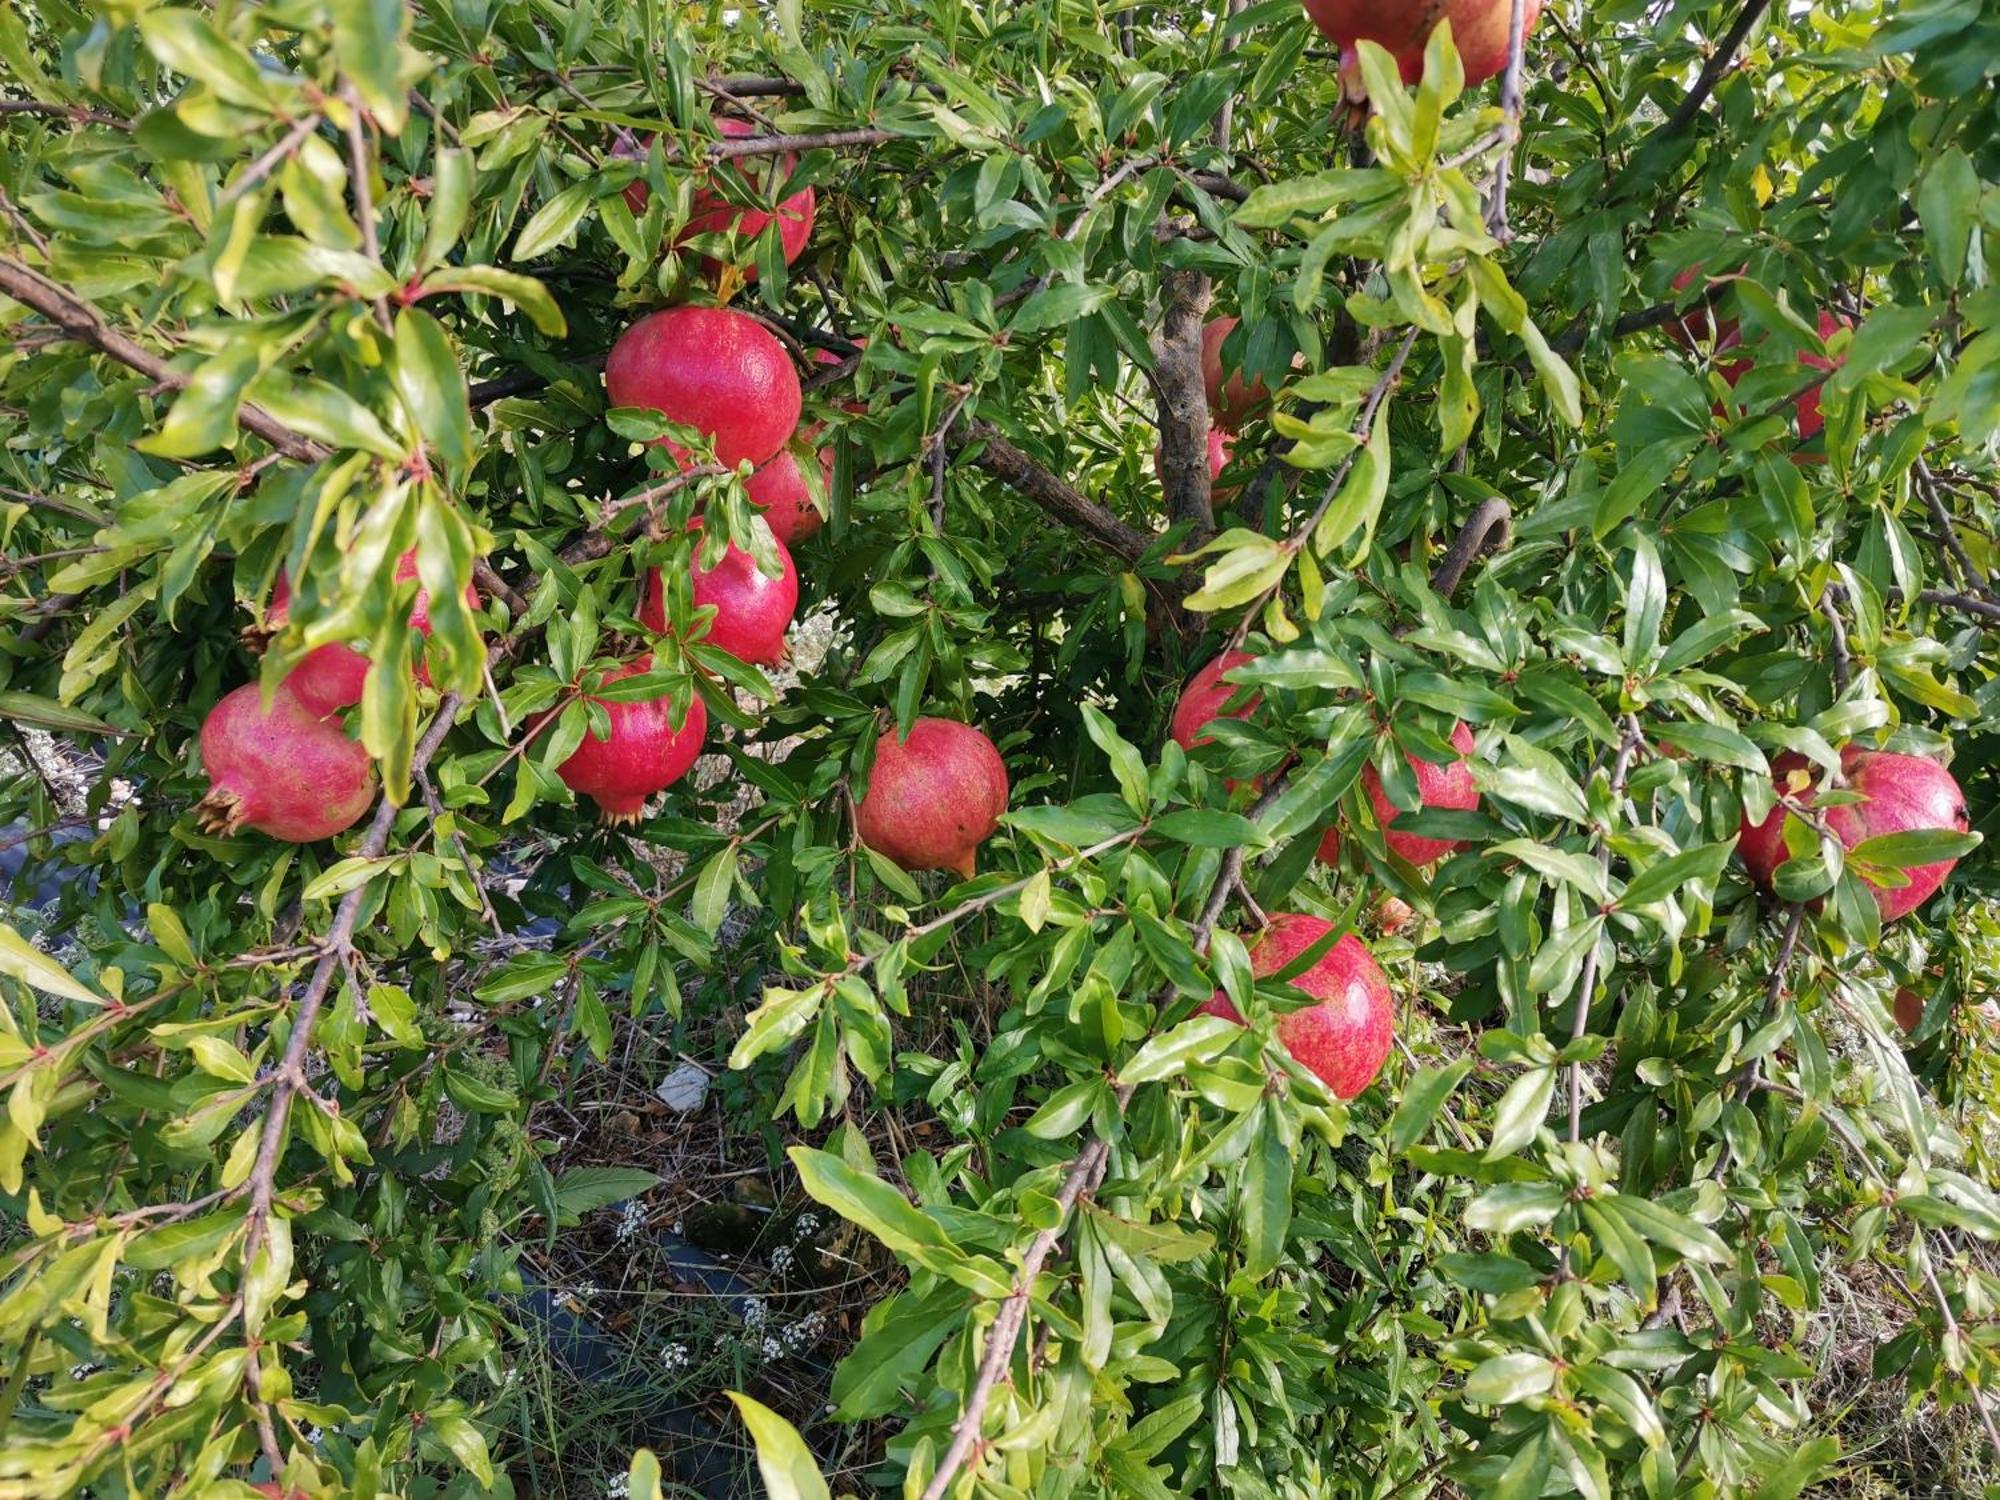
{"x": 1926, "y": 486}
{"x": 1510, "y": 125}
{"x": 364, "y": 195}
{"x": 1843, "y": 660}
{"x": 68, "y": 112}
{"x": 270, "y": 161}
{"x": 1711, "y": 74}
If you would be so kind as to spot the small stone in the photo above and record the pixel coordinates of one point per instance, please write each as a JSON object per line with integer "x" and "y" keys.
{"x": 685, "y": 1089}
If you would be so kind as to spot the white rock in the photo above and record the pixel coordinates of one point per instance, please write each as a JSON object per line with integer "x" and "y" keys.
{"x": 685, "y": 1089}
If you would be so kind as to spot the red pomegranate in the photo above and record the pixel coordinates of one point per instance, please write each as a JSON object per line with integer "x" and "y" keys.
{"x": 333, "y": 676}
{"x": 287, "y": 771}
{"x": 718, "y": 371}
{"x": 1230, "y": 401}
{"x": 643, "y": 754}
{"x": 1220, "y": 442}
{"x": 1328, "y": 852}
{"x": 711, "y": 213}
{"x": 1344, "y": 1039}
{"x": 1811, "y": 423}
{"x": 1440, "y": 786}
{"x": 1479, "y": 29}
{"x": 752, "y": 609}
{"x": 1202, "y": 700}
{"x": 933, "y": 798}
{"x": 1698, "y": 325}
{"x": 1901, "y": 793}
{"x": 779, "y": 491}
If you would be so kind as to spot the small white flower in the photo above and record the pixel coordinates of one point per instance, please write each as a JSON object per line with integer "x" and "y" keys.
{"x": 755, "y": 1312}
{"x": 781, "y": 1257}
{"x": 632, "y": 1220}
{"x": 617, "y": 1486}
{"x": 674, "y": 1357}
{"x": 772, "y": 1349}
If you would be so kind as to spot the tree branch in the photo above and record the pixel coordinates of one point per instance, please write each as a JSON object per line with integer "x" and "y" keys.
{"x": 72, "y": 113}
{"x": 82, "y": 322}
{"x": 1510, "y": 125}
{"x": 1485, "y": 530}
{"x": 1711, "y": 74}
{"x": 1183, "y": 401}
{"x": 1012, "y": 467}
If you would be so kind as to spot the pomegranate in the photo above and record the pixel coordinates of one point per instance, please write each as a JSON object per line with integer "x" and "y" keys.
{"x": 1230, "y": 401}
{"x": 1811, "y": 423}
{"x": 1203, "y": 698}
{"x": 779, "y": 491}
{"x": 1479, "y": 29}
{"x": 333, "y": 676}
{"x": 1698, "y": 325}
{"x": 1901, "y": 793}
{"x": 1328, "y": 852}
{"x": 718, "y": 371}
{"x": 934, "y": 797}
{"x": 1908, "y": 1008}
{"x": 1343, "y": 1040}
{"x": 288, "y": 771}
{"x": 1440, "y": 786}
{"x": 713, "y": 214}
{"x": 1220, "y": 441}
{"x": 752, "y": 609}
{"x": 643, "y": 754}
{"x": 1393, "y": 915}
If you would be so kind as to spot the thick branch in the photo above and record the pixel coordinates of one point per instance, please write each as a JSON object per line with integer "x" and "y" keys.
{"x": 1485, "y": 530}
{"x": 1719, "y": 62}
{"x": 1183, "y": 400}
{"x": 1068, "y": 505}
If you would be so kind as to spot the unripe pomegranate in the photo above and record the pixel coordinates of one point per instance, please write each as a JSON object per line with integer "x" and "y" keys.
{"x": 779, "y": 491}
{"x": 643, "y": 754}
{"x": 334, "y": 676}
{"x": 1439, "y": 786}
{"x": 1480, "y": 29}
{"x": 933, "y": 798}
{"x": 1220, "y": 442}
{"x": 1230, "y": 401}
{"x": 1901, "y": 793}
{"x": 1343, "y": 1040}
{"x": 1908, "y": 1008}
{"x": 287, "y": 771}
{"x": 718, "y": 371}
{"x": 752, "y": 609}
{"x": 1201, "y": 701}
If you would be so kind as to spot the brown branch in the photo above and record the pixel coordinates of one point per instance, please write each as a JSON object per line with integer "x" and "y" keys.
{"x": 269, "y": 162}
{"x": 1064, "y": 502}
{"x": 289, "y": 1078}
{"x": 1984, "y": 609}
{"x": 82, "y": 323}
{"x": 731, "y": 147}
{"x": 1485, "y": 530}
{"x": 1711, "y": 74}
{"x": 755, "y": 88}
{"x": 1925, "y": 484}
{"x": 1218, "y": 186}
{"x": 1183, "y": 401}
{"x": 1510, "y": 126}
{"x": 364, "y": 193}
{"x": 492, "y": 584}
{"x": 1843, "y": 660}
{"x": 74, "y": 114}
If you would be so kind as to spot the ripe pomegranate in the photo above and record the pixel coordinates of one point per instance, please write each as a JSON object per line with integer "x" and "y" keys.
{"x": 1902, "y": 793}
{"x": 333, "y": 676}
{"x": 1328, "y": 852}
{"x": 933, "y": 798}
{"x": 752, "y": 609}
{"x": 1202, "y": 700}
{"x": 1479, "y": 29}
{"x": 643, "y": 754}
{"x": 1908, "y": 1008}
{"x": 1343, "y": 1040}
{"x": 718, "y": 371}
{"x": 1220, "y": 442}
{"x": 779, "y": 491}
{"x": 711, "y": 213}
{"x": 1811, "y": 423}
{"x": 287, "y": 771}
{"x": 1230, "y": 401}
{"x": 1440, "y": 786}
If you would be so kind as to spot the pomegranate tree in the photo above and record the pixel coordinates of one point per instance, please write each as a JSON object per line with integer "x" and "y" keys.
{"x": 934, "y": 797}
{"x": 1448, "y": 786}
{"x": 1898, "y": 794}
{"x": 713, "y": 214}
{"x": 1345, "y": 1038}
{"x": 717, "y": 371}
{"x": 644, "y": 752}
{"x": 287, "y": 770}
{"x": 753, "y": 610}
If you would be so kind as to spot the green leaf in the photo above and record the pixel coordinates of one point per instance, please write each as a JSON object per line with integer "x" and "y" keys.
{"x": 1663, "y": 1226}
{"x": 1127, "y": 764}
{"x": 783, "y": 1460}
{"x": 1276, "y": 204}
{"x": 554, "y": 222}
{"x": 191, "y": 1239}
{"x": 1558, "y": 379}
{"x": 1624, "y": 1395}
{"x": 1513, "y": 1206}
{"x": 1197, "y": 1039}
{"x": 203, "y": 416}
{"x": 1915, "y": 846}
{"x": 712, "y": 888}
{"x": 184, "y": 40}
{"x": 22, "y": 960}
{"x": 1521, "y": 1111}
{"x": 1265, "y": 1207}
{"x": 1509, "y": 1378}
{"x": 582, "y": 1189}
{"x": 1638, "y": 479}
{"x": 1359, "y": 501}
{"x": 1246, "y": 570}
{"x": 432, "y": 386}
{"x": 1206, "y": 828}
{"x": 368, "y": 38}
{"x": 1666, "y": 877}
{"x": 1947, "y": 204}
{"x": 45, "y": 713}
{"x": 1423, "y": 1096}
{"x": 1057, "y": 306}
{"x": 524, "y": 292}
